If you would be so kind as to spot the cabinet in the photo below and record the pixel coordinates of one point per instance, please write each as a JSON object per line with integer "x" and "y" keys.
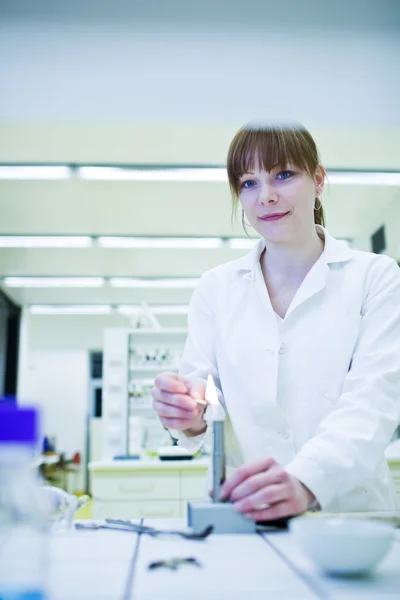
{"x": 146, "y": 488}
{"x": 394, "y": 465}
{"x": 132, "y": 358}
{"x": 392, "y": 453}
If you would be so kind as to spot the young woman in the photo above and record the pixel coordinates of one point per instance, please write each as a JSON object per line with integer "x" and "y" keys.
{"x": 302, "y": 337}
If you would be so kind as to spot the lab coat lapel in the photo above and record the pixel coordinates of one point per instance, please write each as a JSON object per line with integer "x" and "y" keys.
{"x": 258, "y": 318}
{"x": 269, "y": 320}
{"x": 261, "y": 354}
{"x": 335, "y": 251}
{"x": 261, "y": 324}
{"x": 315, "y": 281}
{"x": 251, "y": 357}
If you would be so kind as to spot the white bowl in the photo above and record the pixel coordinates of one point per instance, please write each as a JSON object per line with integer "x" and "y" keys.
{"x": 341, "y": 546}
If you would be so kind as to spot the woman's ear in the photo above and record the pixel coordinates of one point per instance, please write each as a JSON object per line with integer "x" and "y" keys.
{"x": 319, "y": 179}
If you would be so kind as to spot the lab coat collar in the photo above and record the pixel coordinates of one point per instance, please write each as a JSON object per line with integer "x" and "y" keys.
{"x": 334, "y": 251}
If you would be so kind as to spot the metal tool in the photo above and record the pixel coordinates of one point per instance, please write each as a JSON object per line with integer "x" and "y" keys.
{"x": 174, "y": 563}
{"x": 221, "y": 515}
{"x": 217, "y": 513}
{"x": 123, "y": 525}
{"x": 218, "y": 462}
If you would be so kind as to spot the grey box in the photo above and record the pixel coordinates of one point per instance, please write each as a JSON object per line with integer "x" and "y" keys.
{"x": 219, "y": 514}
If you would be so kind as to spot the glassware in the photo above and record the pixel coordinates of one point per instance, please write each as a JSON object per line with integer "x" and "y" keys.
{"x": 24, "y": 527}
{"x": 60, "y": 508}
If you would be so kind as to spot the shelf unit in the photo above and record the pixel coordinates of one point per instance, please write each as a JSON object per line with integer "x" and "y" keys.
{"x": 132, "y": 359}
{"x": 153, "y": 369}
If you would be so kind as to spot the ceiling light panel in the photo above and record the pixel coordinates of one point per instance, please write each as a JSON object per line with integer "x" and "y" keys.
{"x": 175, "y": 174}
{"x": 171, "y": 174}
{"x": 65, "y": 309}
{"x": 53, "y": 282}
{"x": 130, "y": 282}
{"x": 360, "y": 178}
{"x": 34, "y": 172}
{"x": 45, "y": 241}
{"x": 159, "y": 242}
{"x": 169, "y": 309}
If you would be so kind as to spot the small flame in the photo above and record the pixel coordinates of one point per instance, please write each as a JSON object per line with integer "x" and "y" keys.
{"x": 211, "y": 392}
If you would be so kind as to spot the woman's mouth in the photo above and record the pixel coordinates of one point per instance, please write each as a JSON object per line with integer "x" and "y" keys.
{"x": 273, "y": 216}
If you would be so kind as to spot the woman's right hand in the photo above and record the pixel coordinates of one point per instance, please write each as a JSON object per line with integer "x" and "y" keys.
{"x": 175, "y": 402}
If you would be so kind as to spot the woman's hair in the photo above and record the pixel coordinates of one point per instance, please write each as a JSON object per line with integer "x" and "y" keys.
{"x": 272, "y": 146}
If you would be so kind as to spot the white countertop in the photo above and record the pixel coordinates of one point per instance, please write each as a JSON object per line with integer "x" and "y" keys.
{"x": 148, "y": 463}
{"x": 112, "y": 565}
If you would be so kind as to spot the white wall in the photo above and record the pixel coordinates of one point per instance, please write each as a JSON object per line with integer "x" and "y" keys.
{"x": 331, "y": 63}
{"x": 54, "y": 371}
{"x": 390, "y": 218}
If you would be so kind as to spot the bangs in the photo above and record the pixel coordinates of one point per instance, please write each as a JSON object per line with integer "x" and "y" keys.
{"x": 268, "y": 148}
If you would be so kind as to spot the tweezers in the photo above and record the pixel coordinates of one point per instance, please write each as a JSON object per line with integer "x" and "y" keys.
{"x": 124, "y": 525}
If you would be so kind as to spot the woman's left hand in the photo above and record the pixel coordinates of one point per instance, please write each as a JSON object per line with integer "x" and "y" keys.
{"x": 263, "y": 490}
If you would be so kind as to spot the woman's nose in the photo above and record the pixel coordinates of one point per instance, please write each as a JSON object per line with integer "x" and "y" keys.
{"x": 267, "y": 195}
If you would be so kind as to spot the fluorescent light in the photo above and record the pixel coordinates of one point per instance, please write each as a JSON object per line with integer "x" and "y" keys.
{"x": 159, "y": 242}
{"x": 241, "y": 243}
{"x": 34, "y": 172}
{"x": 48, "y": 282}
{"x": 363, "y": 178}
{"x": 176, "y": 242}
{"x": 129, "y": 309}
{"x": 105, "y": 309}
{"x": 168, "y": 174}
{"x": 219, "y": 174}
{"x": 64, "y": 241}
{"x": 213, "y": 174}
{"x": 80, "y": 241}
{"x": 45, "y": 241}
{"x": 196, "y": 174}
{"x": 66, "y": 309}
{"x": 131, "y": 282}
{"x": 171, "y": 309}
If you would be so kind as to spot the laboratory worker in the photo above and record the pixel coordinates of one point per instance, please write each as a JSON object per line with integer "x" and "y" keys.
{"x": 302, "y": 338}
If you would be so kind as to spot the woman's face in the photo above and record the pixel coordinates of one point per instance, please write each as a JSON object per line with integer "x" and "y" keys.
{"x": 279, "y": 204}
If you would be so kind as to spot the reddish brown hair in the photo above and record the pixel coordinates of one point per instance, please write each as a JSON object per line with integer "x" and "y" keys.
{"x": 270, "y": 147}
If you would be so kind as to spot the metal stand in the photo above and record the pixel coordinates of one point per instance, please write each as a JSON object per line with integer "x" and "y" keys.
{"x": 219, "y": 514}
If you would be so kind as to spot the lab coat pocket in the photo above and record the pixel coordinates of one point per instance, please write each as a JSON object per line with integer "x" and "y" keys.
{"x": 333, "y": 360}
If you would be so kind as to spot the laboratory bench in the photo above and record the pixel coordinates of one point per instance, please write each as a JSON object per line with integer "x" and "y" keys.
{"x": 114, "y": 565}
{"x": 151, "y": 487}
{"x": 148, "y": 487}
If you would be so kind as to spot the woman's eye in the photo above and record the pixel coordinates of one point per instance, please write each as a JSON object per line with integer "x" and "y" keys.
{"x": 285, "y": 175}
{"x": 248, "y": 184}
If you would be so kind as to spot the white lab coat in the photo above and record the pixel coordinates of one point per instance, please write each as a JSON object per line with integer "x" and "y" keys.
{"x": 320, "y": 391}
